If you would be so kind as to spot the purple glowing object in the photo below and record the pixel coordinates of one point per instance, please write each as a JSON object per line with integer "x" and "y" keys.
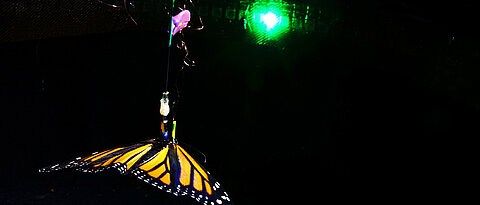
{"x": 180, "y": 21}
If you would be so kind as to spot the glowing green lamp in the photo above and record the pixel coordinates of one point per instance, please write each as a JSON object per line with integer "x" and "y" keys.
{"x": 267, "y": 21}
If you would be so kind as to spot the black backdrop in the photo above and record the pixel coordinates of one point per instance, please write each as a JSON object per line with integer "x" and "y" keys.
{"x": 381, "y": 108}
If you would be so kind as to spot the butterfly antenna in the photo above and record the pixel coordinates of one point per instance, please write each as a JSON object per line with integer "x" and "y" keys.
{"x": 193, "y": 148}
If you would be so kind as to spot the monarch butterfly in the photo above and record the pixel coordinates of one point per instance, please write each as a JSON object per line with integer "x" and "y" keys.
{"x": 160, "y": 162}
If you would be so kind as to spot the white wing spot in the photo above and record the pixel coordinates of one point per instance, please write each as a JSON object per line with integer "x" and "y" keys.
{"x": 219, "y": 201}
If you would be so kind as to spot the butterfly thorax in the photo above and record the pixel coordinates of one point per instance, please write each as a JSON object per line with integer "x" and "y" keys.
{"x": 168, "y": 128}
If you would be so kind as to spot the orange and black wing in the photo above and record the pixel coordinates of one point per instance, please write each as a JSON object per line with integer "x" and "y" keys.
{"x": 121, "y": 158}
{"x": 168, "y": 167}
{"x": 173, "y": 170}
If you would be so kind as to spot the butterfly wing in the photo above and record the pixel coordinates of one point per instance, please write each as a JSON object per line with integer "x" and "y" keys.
{"x": 121, "y": 158}
{"x": 168, "y": 167}
{"x": 175, "y": 171}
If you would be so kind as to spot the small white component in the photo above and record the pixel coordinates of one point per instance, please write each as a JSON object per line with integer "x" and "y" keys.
{"x": 164, "y": 107}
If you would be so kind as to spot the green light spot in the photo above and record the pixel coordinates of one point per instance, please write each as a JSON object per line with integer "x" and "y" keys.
{"x": 267, "y": 21}
{"x": 306, "y": 16}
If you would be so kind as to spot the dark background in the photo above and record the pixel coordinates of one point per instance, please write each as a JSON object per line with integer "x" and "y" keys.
{"x": 379, "y": 104}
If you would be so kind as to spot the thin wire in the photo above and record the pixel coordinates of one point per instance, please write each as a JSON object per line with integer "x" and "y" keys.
{"x": 128, "y": 13}
{"x": 124, "y": 6}
{"x": 169, "y": 44}
{"x": 111, "y": 5}
{"x": 199, "y": 18}
{"x": 168, "y": 68}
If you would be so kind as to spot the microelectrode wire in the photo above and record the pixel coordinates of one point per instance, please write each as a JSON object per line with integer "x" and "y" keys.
{"x": 169, "y": 44}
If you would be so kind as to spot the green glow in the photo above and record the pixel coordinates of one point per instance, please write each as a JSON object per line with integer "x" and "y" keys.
{"x": 267, "y": 21}
{"x": 306, "y": 16}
